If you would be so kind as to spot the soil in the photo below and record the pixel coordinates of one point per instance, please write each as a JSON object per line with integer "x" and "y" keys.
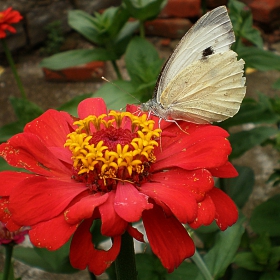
{"x": 53, "y": 94}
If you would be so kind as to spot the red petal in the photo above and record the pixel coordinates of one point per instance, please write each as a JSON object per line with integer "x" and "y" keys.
{"x": 206, "y": 213}
{"x": 226, "y": 210}
{"x": 26, "y": 150}
{"x": 130, "y": 203}
{"x": 10, "y": 179}
{"x": 112, "y": 224}
{"x": 192, "y": 154}
{"x": 40, "y": 199}
{"x": 179, "y": 200}
{"x": 91, "y": 106}
{"x": 84, "y": 208}
{"x": 198, "y": 182}
{"x": 225, "y": 171}
{"x": 83, "y": 253}
{"x": 135, "y": 233}
{"x": 169, "y": 240}
{"x": 52, "y": 128}
{"x": 51, "y": 234}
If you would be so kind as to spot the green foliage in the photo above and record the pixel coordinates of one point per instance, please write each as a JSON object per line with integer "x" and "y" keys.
{"x": 54, "y": 39}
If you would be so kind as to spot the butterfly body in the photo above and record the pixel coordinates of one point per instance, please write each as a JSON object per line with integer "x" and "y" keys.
{"x": 202, "y": 82}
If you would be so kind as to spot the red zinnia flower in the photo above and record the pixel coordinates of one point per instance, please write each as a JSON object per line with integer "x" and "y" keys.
{"x": 7, "y": 236}
{"x": 111, "y": 167}
{"x": 8, "y": 17}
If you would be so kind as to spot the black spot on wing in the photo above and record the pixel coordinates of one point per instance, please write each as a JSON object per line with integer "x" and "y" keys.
{"x": 206, "y": 52}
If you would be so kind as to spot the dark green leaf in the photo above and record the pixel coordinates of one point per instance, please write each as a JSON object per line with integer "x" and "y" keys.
{"x": 149, "y": 267}
{"x": 25, "y": 110}
{"x": 244, "y": 274}
{"x": 266, "y": 217}
{"x": 247, "y": 260}
{"x": 117, "y": 95}
{"x": 85, "y": 24}
{"x": 9, "y": 130}
{"x": 75, "y": 57}
{"x": 245, "y": 140}
{"x": 145, "y": 9}
{"x": 184, "y": 271}
{"x": 271, "y": 275}
{"x": 276, "y": 85}
{"x": 71, "y": 106}
{"x": 259, "y": 58}
{"x": 274, "y": 257}
{"x": 142, "y": 61}
{"x": 51, "y": 261}
{"x": 240, "y": 188}
{"x": 222, "y": 253}
{"x": 261, "y": 247}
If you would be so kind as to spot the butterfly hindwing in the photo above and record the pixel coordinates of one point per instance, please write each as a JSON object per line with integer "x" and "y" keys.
{"x": 210, "y": 89}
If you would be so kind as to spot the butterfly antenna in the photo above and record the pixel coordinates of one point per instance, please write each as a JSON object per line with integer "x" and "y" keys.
{"x": 121, "y": 89}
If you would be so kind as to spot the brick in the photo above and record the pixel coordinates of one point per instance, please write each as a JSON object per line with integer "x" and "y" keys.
{"x": 264, "y": 11}
{"x": 85, "y": 72}
{"x": 181, "y": 9}
{"x": 211, "y": 4}
{"x": 174, "y": 28}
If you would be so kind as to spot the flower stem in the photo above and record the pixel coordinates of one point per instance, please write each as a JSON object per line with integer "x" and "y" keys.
{"x": 142, "y": 29}
{"x": 201, "y": 266}
{"x": 8, "y": 259}
{"x": 117, "y": 70}
{"x": 125, "y": 263}
{"x": 13, "y": 67}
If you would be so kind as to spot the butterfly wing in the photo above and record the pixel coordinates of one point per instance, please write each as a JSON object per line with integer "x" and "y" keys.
{"x": 209, "y": 90}
{"x": 212, "y": 33}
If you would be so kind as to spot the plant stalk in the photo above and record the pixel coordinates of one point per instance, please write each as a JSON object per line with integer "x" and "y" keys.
{"x": 13, "y": 67}
{"x": 8, "y": 260}
{"x": 117, "y": 70}
{"x": 201, "y": 266}
{"x": 125, "y": 263}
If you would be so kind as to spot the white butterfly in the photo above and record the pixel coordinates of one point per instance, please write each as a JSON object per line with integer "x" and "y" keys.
{"x": 202, "y": 81}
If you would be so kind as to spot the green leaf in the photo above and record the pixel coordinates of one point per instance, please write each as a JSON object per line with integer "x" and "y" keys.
{"x": 271, "y": 275}
{"x": 276, "y": 85}
{"x": 241, "y": 187}
{"x": 51, "y": 261}
{"x": 261, "y": 247}
{"x": 184, "y": 271}
{"x": 71, "y": 105}
{"x": 247, "y": 260}
{"x": 222, "y": 253}
{"x": 117, "y": 95}
{"x": 266, "y": 217}
{"x": 244, "y": 274}
{"x": 245, "y": 140}
{"x": 259, "y": 58}
{"x": 149, "y": 267}
{"x": 9, "y": 130}
{"x": 145, "y": 9}
{"x": 242, "y": 21}
{"x": 75, "y": 57}
{"x": 142, "y": 61}
{"x": 25, "y": 110}
{"x": 85, "y": 24}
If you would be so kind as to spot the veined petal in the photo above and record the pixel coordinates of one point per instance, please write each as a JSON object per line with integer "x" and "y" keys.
{"x": 130, "y": 203}
{"x": 91, "y": 106}
{"x": 179, "y": 200}
{"x": 52, "y": 128}
{"x": 84, "y": 208}
{"x": 226, "y": 211}
{"x": 205, "y": 214}
{"x": 26, "y": 150}
{"x": 43, "y": 199}
{"x": 83, "y": 254}
{"x": 51, "y": 234}
{"x": 225, "y": 171}
{"x": 112, "y": 223}
{"x": 169, "y": 240}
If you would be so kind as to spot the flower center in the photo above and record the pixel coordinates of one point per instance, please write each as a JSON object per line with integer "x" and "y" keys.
{"x": 118, "y": 147}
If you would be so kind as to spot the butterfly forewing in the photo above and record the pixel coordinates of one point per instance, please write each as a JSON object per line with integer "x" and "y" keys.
{"x": 206, "y": 91}
{"x": 212, "y": 31}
